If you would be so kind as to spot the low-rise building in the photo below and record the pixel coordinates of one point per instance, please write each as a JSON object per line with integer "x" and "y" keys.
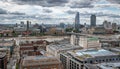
{"x": 78, "y": 58}
{"x": 85, "y": 41}
{"x": 7, "y": 51}
{"x": 8, "y": 44}
{"x": 89, "y": 42}
{"x": 62, "y": 46}
{"x": 41, "y": 62}
{"x": 108, "y": 65}
{"x": 32, "y": 47}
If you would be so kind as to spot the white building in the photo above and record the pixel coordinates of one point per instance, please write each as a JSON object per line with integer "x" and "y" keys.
{"x": 89, "y": 42}
{"x": 61, "y": 46}
{"x": 85, "y": 41}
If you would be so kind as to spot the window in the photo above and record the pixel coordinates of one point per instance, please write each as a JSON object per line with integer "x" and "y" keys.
{"x": 91, "y": 61}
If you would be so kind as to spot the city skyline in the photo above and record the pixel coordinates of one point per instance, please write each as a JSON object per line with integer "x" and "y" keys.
{"x": 56, "y": 11}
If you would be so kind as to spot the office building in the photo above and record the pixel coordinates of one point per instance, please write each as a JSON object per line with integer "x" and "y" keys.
{"x": 85, "y": 41}
{"x": 61, "y": 46}
{"x": 62, "y": 25}
{"x": 93, "y": 20}
{"x": 28, "y": 25}
{"x": 114, "y": 26}
{"x": 77, "y": 21}
{"x": 108, "y": 65}
{"x": 77, "y": 59}
{"x": 89, "y": 42}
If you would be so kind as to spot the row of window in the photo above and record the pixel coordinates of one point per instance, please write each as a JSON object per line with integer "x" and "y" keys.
{"x": 103, "y": 60}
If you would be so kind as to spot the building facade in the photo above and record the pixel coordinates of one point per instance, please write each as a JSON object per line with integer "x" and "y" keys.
{"x": 93, "y": 20}
{"x": 77, "y": 21}
{"x": 41, "y": 62}
{"x": 3, "y": 61}
{"x": 79, "y": 58}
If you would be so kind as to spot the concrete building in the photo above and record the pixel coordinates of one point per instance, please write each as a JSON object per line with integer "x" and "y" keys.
{"x": 93, "y": 20}
{"x": 89, "y": 42}
{"x": 85, "y": 41}
{"x": 77, "y": 59}
{"x": 114, "y": 26}
{"x": 108, "y": 27}
{"x": 55, "y": 31}
{"x": 32, "y": 47}
{"x": 110, "y": 43}
{"x": 61, "y": 46}
{"x": 74, "y": 40}
{"x": 41, "y": 62}
{"x": 108, "y": 65}
{"x": 97, "y": 30}
{"x": 7, "y": 44}
{"x": 6, "y": 33}
{"x": 7, "y": 51}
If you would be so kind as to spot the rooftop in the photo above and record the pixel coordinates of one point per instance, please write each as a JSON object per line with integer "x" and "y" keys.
{"x": 109, "y": 65}
{"x": 89, "y": 53}
{"x": 92, "y": 39}
{"x": 6, "y": 42}
{"x": 63, "y": 45}
{"x": 39, "y": 60}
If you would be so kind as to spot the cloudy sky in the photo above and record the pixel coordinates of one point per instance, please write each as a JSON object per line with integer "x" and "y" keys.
{"x": 56, "y": 11}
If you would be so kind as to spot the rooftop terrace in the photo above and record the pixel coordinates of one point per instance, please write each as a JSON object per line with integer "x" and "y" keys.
{"x": 91, "y": 53}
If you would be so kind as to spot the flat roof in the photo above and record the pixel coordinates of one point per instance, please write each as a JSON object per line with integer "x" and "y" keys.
{"x": 101, "y": 52}
{"x": 39, "y": 60}
{"x": 63, "y": 45}
{"x": 92, "y": 39}
{"x": 89, "y": 53}
{"x": 111, "y": 65}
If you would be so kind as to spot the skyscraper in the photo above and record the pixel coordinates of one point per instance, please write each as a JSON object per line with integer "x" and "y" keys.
{"x": 77, "y": 21}
{"x": 93, "y": 20}
{"x": 28, "y": 25}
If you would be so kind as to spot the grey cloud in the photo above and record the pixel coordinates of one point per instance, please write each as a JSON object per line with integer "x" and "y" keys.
{"x": 82, "y": 3}
{"x": 44, "y": 3}
{"x": 2, "y": 11}
{"x": 71, "y": 12}
{"x": 98, "y": 14}
{"x": 47, "y": 11}
{"x": 17, "y": 13}
{"x": 114, "y": 1}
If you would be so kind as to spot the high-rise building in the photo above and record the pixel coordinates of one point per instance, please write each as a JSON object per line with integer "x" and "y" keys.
{"x": 77, "y": 21}
{"x": 28, "y": 25}
{"x": 22, "y": 24}
{"x": 93, "y": 20}
{"x": 62, "y": 25}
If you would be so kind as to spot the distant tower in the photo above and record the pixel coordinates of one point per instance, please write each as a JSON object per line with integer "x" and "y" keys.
{"x": 93, "y": 20}
{"x": 27, "y": 25}
{"x": 62, "y": 25}
{"x": 77, "y": 21}
{"x": 22, "y": 24}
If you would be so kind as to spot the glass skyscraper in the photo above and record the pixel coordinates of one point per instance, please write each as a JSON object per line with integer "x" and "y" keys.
{"x": 77, "y": 21}
{"x": 93, "y": 20}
